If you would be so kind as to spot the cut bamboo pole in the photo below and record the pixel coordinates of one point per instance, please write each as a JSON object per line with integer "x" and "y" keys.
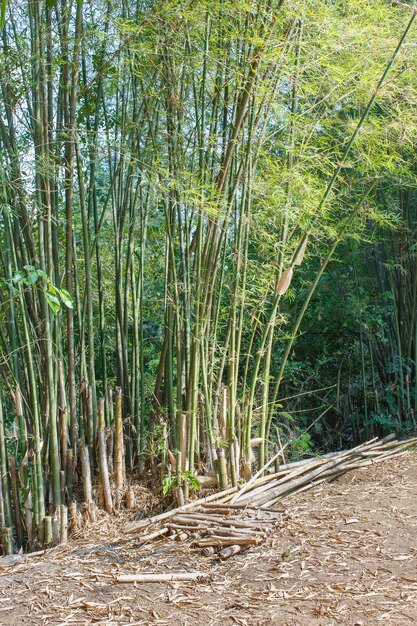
{"x": 233, "y": 509}
{"x": 162, "y": 578}
{"x": 157, "y": 533}
{"x": 219, "y": 530}
{"x": 214, "y": 519}
{"x": 218, "y": 540}
{"x": 229, "y": 551}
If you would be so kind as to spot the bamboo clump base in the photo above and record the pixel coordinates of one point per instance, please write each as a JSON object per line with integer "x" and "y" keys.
{"x": 227, "y": 523}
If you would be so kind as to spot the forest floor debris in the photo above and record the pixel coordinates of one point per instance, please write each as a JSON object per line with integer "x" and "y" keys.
{"x": 344, "y": 553}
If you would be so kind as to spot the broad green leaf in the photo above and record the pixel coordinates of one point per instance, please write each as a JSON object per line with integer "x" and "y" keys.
{"x": 53, "y": 302}
{"x": 66, "y": 298}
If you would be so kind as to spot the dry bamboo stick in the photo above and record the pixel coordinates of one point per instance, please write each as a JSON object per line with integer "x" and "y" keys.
{"x": 232, "y": 508}
{"x": 162, "y": 578}
{"x": 251, "y": 495}
{"x": 249, "y": 521}
{"x": 393, "y": 444}
{"x": 217, "y": 540}
{"x": 250, "y": 515}
{"x": 154, "y": 535}
{"x": 388, "y": 456}
{"x": 289, "y": 466}
{"x": 220, "y": 521}
{"x": 219, "y": 530}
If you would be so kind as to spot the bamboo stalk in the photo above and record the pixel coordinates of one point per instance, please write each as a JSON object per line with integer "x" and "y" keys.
{"x": 104, "y": 471}
{"x": 118, "y": 442}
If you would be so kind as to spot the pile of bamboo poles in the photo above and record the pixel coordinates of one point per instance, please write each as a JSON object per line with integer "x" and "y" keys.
{"x": 215, "y": 528}
{"x": 231, "y": 521}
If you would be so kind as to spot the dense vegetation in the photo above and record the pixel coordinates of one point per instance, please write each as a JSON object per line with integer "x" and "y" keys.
{"x": 207, "y": 211}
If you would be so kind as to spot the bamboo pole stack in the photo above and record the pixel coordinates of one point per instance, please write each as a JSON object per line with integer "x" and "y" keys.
{"x": 231, "y": 521}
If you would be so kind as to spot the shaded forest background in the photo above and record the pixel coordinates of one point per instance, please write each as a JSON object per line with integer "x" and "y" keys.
{"x": 207, "y": 237}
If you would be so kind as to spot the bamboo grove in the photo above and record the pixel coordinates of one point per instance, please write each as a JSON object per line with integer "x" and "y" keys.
{"x": 175, "y": 180}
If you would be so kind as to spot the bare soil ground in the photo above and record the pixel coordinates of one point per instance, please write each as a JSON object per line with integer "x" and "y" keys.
{"x": 345, "y": 553}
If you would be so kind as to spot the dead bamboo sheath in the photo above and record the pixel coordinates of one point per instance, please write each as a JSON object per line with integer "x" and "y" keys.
{"x": 162, "y": 578}
{"x": 104, "y": 474}
{"x": 86, "y": 473}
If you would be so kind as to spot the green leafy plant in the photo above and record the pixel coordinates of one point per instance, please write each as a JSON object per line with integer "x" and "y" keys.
{"x": 172, "y": 481}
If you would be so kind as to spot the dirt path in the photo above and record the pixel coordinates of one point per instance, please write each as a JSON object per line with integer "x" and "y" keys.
{"x": 346, "y": 553}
